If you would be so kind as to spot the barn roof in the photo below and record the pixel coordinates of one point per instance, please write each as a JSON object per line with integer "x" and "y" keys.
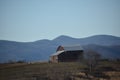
{"x": 58, "y": 52}
{"x": 69, "y": 48}
{"x": 72, "y": 48}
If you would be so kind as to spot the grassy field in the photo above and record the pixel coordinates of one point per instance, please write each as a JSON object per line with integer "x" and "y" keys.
{"x": 59, "y": 71}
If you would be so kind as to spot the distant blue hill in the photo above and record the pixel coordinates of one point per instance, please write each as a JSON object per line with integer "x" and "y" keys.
{"x": 108, "y": 46}
{"x": 97, "y": 39}
{"x": 107, "y": 52}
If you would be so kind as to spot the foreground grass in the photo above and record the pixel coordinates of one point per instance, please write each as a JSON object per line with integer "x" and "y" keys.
{"x": 54, "y": 71}
{"x": 25, "y": 71}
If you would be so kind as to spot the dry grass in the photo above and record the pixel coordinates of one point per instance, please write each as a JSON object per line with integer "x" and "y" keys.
{"x": 37, "y": 71}
{"x": 55, "y": 71}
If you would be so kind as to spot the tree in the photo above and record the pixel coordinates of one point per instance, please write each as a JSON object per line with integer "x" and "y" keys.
{"x": 92, "y": 58}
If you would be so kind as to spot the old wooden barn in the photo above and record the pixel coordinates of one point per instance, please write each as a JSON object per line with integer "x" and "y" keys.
{"x": 67, "y": 54}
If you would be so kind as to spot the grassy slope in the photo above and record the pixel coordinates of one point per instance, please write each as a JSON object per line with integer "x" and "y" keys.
{"x": 29, "y": 71}
{"x": 42, "y": 71}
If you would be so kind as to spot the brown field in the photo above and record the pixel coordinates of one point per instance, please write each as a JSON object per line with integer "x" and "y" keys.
{"x": 106, "y": 70}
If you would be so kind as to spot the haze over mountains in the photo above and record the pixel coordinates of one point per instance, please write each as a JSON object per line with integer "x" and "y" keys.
{"x": 108, "y": 46}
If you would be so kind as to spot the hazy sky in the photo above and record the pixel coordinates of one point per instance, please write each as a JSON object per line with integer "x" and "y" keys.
{"x": 30, "y": 20}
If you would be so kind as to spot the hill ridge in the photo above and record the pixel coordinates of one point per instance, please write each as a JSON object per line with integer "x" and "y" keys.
{"x": 42, "y": 49}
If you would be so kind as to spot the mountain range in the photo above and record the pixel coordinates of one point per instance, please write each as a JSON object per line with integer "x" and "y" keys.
{"x": 108, "y": 46}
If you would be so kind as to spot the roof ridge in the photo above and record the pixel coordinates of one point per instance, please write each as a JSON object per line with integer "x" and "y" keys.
{"x": 70, "y": 45}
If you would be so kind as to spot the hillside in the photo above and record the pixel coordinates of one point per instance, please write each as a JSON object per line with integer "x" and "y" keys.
{"x": 110, "y": 52}
{"x": 105, "y": 40}
{"x": 41, "y": 50}
{"x": 106, "y": 70}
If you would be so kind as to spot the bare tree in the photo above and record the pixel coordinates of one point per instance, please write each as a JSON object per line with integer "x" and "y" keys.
{"x": 91, "y": 59}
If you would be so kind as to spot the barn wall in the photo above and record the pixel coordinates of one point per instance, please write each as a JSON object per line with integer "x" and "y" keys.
{"x": 70, "y": 56}
{"x": 54, "y": 59}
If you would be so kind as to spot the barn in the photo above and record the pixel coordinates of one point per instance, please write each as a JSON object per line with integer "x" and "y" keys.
{"x": 67, "y": 54}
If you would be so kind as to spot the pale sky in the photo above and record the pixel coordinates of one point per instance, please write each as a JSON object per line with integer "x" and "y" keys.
{"x": 31, "y": 20}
